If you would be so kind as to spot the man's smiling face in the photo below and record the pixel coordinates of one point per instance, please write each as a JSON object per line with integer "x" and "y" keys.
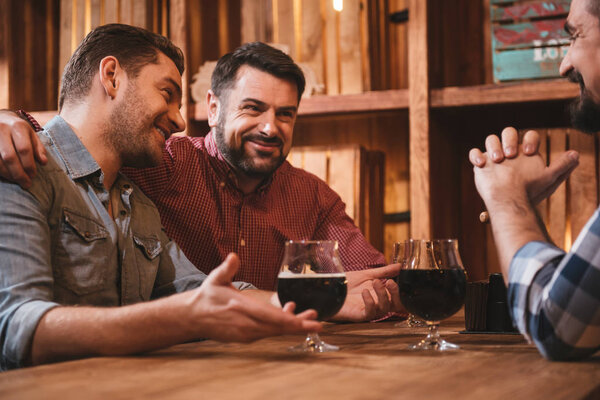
{"x": 582, "y": 64}
{"x": 256, "y": 122}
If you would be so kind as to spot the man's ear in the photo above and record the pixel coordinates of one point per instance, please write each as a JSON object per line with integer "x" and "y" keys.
{"x": 214, "y": 107}
{"x": 110, "y": 74}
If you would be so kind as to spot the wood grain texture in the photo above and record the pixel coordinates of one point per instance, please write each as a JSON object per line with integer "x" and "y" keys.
{"x": 5, "y": 51}
{"x": 557, "y": 203}
{"x": 583, "y": 182}
{"x": 418, "y": 77}
{"x": 373, "y": 363}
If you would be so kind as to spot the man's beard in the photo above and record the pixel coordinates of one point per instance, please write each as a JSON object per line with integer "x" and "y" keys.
{"x": 585, "y": 113}
{"x": 241, "y": 161}
{"x": 126, "y": 135}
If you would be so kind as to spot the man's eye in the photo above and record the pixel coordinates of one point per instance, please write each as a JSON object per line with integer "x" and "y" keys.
{"x": 251, "y": 107}
{"x": 168, "y": 92}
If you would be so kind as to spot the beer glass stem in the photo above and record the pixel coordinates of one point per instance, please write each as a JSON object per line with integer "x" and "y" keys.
{"x": 313, "y": 344}
{"x": 433, "y": 341}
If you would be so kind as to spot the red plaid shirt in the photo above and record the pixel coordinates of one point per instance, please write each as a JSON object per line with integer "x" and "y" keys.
{"x": 203, "y": 210}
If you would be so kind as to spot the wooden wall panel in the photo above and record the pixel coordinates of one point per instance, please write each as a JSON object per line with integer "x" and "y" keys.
{"x": 582, "y": 187}
{"x": 557, "y": 203}
{"x": 384, "y": 132}
{"x": 28, "y": 62}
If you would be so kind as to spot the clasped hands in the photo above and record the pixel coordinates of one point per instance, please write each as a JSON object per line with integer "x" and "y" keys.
{"x": 518, "y": 170}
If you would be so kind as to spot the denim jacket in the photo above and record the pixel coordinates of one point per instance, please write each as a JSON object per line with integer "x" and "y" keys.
{"x": 60, "y": 246}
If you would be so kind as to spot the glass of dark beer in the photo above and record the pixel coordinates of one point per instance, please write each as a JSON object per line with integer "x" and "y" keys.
{"x": 406, "y": 253}
{"x": 434, "y": 289}
{"x": 312, "y": 276}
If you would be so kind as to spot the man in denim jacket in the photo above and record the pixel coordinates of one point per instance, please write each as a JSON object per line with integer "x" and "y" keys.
{"x": 83, "y": 240}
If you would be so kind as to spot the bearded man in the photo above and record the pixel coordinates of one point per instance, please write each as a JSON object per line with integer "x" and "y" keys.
{"x": 554, "y": 297}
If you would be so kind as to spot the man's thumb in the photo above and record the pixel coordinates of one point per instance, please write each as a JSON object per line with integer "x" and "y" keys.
{"x": 565, "y": 163}
{"x": 224, "y": 273}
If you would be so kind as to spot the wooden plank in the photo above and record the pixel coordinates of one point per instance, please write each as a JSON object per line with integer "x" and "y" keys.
{"x": 312, "y": 43}
{"x": 374, "y": 191}
{"x": 583, "y": 185}
{"x": 331, "y": 50}
{"x": 557, "y": 203}
{"x": 66, "y": 21}
{"x": 256, "y": 21}
{"x": 418, "y": 76}
{"x": 542, "y": 207}
{"x": 513, "y": 92}
{"x": 111, "y": 11}
{"x": 535, "y": 9}
{"x": 344, "y": 179}
{"x": 350, "y": 48}
{"x": 5, "y": 52}
{"x": 178, "y": 21}
{"x": 285, "y": 33}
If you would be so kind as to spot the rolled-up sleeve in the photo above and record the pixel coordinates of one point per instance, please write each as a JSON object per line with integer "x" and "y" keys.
{"x": 554, "y": 297}
{"x": 26, "y": 278}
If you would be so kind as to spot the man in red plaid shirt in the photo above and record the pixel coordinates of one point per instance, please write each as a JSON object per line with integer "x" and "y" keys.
{"x": 233, "y": 191}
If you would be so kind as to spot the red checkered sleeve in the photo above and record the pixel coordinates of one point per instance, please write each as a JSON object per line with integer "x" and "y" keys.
{"x": 32, "y": 121}
{"x": 355, "y": 252}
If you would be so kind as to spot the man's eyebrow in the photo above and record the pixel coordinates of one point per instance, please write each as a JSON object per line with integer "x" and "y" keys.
{"x": 174, "y": 83}
{"x": 569, "y": 28}
{"x": 263, "y": 104}
{"x": 252, "y": 100}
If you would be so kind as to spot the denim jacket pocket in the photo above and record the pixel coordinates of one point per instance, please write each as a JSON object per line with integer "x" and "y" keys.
{"x": 82, "y": 244}
{"x": 150, "y": 246}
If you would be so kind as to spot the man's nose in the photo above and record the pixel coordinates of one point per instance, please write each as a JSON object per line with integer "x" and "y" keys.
{"x": 268, "y": 124}
{"x": 565, "y": 65}
{"x": 176, "y": 120}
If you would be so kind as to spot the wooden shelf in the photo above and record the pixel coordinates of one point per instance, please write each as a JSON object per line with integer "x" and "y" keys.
{"x": 389, "y": 100}
{"x": 322, "y": 105}
{"x": 505, "y": 93}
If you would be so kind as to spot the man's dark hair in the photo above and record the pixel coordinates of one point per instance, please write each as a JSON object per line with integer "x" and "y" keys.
{"x": 260, "y": 56}
{"x": 134, "y": 47}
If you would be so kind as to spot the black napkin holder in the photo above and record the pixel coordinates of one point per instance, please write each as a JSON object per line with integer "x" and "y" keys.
{"x": 486, "y": 307}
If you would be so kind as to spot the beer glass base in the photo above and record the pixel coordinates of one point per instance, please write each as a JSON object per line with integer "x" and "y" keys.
{"x": 433, "y": 341}
{"x": 313, "y": 344}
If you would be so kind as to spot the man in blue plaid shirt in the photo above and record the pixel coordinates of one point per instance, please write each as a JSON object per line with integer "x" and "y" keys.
{"x": 554, "y": 296}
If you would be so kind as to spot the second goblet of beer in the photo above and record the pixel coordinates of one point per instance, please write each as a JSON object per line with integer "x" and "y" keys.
{"x": 312, "y": 276}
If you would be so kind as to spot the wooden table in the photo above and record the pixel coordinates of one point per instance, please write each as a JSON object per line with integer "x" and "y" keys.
{"x": 373, "y": 364}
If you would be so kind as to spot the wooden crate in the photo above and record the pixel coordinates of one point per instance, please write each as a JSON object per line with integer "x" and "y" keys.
{"x": 528, "y": 38}
{"x": 357, "y": 175}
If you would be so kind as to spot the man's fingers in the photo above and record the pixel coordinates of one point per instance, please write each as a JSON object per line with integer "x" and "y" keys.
{"x": 370, "y": 306}
{"x": 493, "y": 148}
{"x": 394, "y": 292}
{"x": 39, "y": 149}
{"x": 387, "y": 271}
{"x": 510, "y": 142}
{"x": 383, "y": 300}
{"x": 25, "y": 152}
{"x": 477, "y": 158}
{"x": 224, "y": 273}
{"x": 12, "y": 169}
{"x": 531, "y": 142}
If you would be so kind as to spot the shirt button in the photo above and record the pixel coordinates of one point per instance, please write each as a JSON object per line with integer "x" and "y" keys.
{"x": 126, "y": 186}
{"x": 222, "y": 184}
{"x": 242, "y": 242}
{"x": 123, "y": 212}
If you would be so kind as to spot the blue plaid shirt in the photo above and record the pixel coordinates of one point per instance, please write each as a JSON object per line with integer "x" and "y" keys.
{"x": 554, "y": 297}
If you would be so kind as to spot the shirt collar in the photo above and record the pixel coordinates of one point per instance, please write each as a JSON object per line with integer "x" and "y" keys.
{"x": 223, "y": 168}
{"x": 77, "y": 159}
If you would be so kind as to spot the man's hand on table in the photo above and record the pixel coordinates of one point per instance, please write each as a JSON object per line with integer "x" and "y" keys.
{"x": 20, "y": 148}
{"x": 371, "y": 295}
{"x": 223, "y": 313}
